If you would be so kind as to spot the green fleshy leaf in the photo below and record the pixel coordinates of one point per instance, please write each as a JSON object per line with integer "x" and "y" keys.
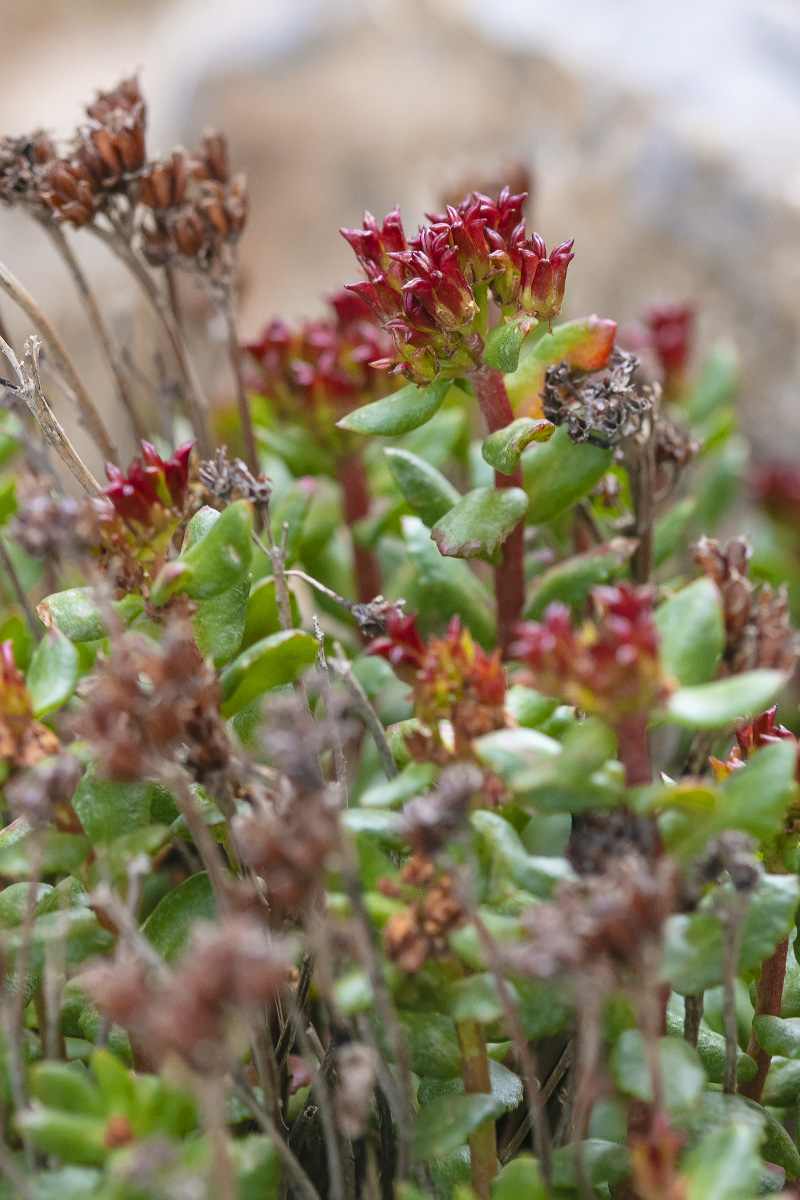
{"x": 711, "y": 1052}
{"x": 263, "y": 617}
{"x": 505, "y": 1086}
{"x": 62, "y": 852}
{"x": 432, "y": 1044}
{"x": 66, "y": 1086}
{"x": 218, "y": 623}
{"x": 427, "y": 491}
{"x": 724, "y": 701}
{"x": 108, "y": 808}
{"x": 76, "y": 614}
{"x": 170, "y": 923}
{"x": 528, "y": 707}
{"x": 725, "y": 1165}
{"x": 535, "y": 874}
{"x": 716, "y": 384}
{"x": 215, "y": 563}
{"x": 274, "y": 661}
{"x": 478, "y": 525}
{"x": 693, "y": 951}
{"x": 603, "y": 1162}
{"x": 292, "y": 510}
{"x": 53, "y": 672}
{"x": 503, "y": 448}
{"x": 448, "y": 586}
{"x": 412, "y": 780}
{"x": 691, "y": 627}
{"x": 778, "y": 1035}
{"x": 559, "y": 474}
{"x": 503, "y": 343}
{"x": 72, "y": 1137}
{"x": 782, "y": 1089}
{"x": 669, "y": 533}
{"x": 542, "y": 1009}
{"x": 520, "y": 1178}
{"x": 682, "y": 1070}
{"x": 776, "y": 1145}
{"x": 585, "y": 344}
{"x": 572, "y": 580}
{"x": 399, "y": 413}
{"x": 14, "y": 902}
{"x": 446, "y": 1122}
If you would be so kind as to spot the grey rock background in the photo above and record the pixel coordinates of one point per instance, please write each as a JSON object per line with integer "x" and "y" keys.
{"x": 663, "y": 137}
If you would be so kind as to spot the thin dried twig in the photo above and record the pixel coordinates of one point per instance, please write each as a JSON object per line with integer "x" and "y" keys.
{"x": 291, "y": 1165}
{"x": 29, "y": 388}
{"x": 342, "y": 666}
{"x": 90, "y": 417}
{"x": 98, "y": 323}
{"x": 7, "y": 563}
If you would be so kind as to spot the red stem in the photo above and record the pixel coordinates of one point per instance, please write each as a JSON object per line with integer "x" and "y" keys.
{"x": 633, "y": 749}
{"x": 355, "y": 501}
{"x": 509, "y": 577}
{"x": 769, "y": 994}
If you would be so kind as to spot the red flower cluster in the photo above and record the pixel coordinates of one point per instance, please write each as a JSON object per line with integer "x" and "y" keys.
{"x": 751, "y": 737}
{"x": 609, "y": 666}
{"x": 401, "y": 645}
{"x": 324, "y": 368}
{"x": 671, "y": 328}
{"x": 147, "y": 498}
{"x": 423, "y": 290}
{"x": 776, "y": 486}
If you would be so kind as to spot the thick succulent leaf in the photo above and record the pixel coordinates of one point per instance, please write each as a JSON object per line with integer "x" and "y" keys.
{"x": 571, "y": 581}
{"x": 671, "y": 531}
{"x": 585, "y": 344}
{"x": 218, "y": 623}
{"x": 724, "y": 701}
{"x": 503, "y": 448}
{"x": 109, "y": 808}
{"x": 683, "y": 1074}
{"x": 275, "y": 660}
{"x": 75, "y": 612}
{"x": 170, "y": 923}
{"x": 711, "y": 1052}
{"x": 536, "y": 874}
{"x": 427, "y": 491}
{"x": 503, "y": 344}
{"x": 69, "y": 1136}
{"x": 520, "y": 1178}
{"x": 445, "y": 1123}
{"x": 53, "y": 672}
{"x": 62, "y": 852}
{"x": 263, "y": 617}
{"x": 778, "y": 1035}
{"x": 215, "y": 563}
{"x": 528, "y": 707}
{"x": 399, "y": 413}
{"x": 447, "y": 586}
{"x": 505, "y": 1086}
{"x": 716, "y": 384}
{"x": 478, "y": 525}
{"x": 691, "y": 627}
{"x": 725, "y": 1165}
{"x": 603, "y": 1162}
{"x": 558, "y": 474}
{"x": 693, "y": 952}
{"x": 66, "y": 1086}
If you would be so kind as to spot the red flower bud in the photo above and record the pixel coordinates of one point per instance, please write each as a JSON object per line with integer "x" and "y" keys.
{"x": 151, "y": 487}
{"x": 671, "y": 327}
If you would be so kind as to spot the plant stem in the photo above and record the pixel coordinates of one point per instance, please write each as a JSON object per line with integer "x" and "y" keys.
{"x": 242, "y": 399}
{"x": 641, "y": 467}
{"x": 633, "y": 749}
{"x": 90, "y": 417}
{"x": 194, "y": 392}
{"x": 692, "y": 1016}
{"x": 509, "y": 577}
{"x": 475, "y": 1070}
{"x": 7, "y": 563}
{"x": 769, "y": 993}
{"x": 98, "y": 323}
{"x": 355, "y": 502}
{"x": 341, "y": 665}
{"x": 292, "y": 1167}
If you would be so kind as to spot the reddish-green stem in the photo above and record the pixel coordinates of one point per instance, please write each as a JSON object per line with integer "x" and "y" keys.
{"x": 633, "y": 749}
{"x": 355, "y": 502}
{"x": 509, "y": 577}
{"x": 475, "y": 1071}
{"x": 769, "y": 993}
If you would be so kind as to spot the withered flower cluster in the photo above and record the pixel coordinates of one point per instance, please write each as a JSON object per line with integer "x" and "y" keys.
{"x": 600, "y": 407}
{"x": 55, "y": 529}
{"x": 150, "y": 703}
{"x": 757, "y": 628}
{"x": 324, "y": 368}
{"x": 194, "y": 210}
{"x": 42, "y": 793}
{"x": 421, "y": 929}
{"x": 229, "y": 970}
{"x": 429, "y": 291}
{"x": 601, "y": 924}
{"x": 428, "y": 822}
{"x": 225, "y": 479}
{"x": 609, "y": 666}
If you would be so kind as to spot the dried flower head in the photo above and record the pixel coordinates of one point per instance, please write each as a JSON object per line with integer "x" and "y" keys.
{"x": 41, "y": 793}
{"x": 55, "y": 528}
{"x": 609, "y": 666}
{"x": 150, "y": 702}
{"x": 113, "y": 142}
{"x": 602, "y": 923}
{"x": 22, "y": 163}
{"x": 224, "y": 478}
{"x": 421, "y": 930}
{"x": 428, "y": 822}
{"x": 734, "y": 853}
{"x": 758, "y": 632}
{"x": 600, "y": 407}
